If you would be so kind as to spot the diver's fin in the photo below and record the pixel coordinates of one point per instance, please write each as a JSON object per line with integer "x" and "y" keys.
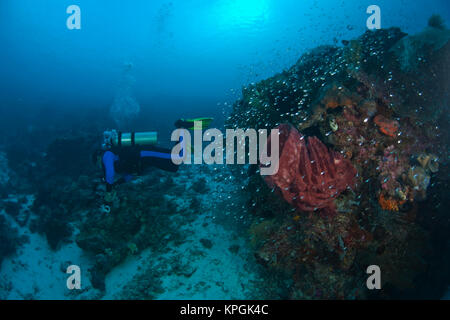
{"x": 205, "y": 122}
{"x": 189, "y": 123}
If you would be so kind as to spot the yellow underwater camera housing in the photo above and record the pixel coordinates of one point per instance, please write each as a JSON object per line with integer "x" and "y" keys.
{"x": 115, "y": 138}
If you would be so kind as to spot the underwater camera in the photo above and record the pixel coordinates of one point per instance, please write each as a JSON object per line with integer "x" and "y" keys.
{"x": 114, "y": 138}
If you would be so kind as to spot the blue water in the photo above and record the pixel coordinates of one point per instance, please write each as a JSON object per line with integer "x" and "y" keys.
{"x": 188, "y": 53}
{"x": 170, "y": 59}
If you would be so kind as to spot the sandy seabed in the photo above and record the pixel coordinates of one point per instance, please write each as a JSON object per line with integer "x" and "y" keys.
{"x": 212, "y": 262}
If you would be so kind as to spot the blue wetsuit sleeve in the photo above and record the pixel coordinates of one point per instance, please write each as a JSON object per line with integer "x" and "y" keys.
{"x": 108, "y": 163}
{"x": 156, "y": 154}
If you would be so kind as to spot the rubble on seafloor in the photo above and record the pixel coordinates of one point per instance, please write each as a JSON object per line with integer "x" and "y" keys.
{"x": 381, "y": 102}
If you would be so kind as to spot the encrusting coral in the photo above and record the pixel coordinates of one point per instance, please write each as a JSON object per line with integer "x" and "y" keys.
{"x": 387, "y": 126}
{"x": 389, "y": 204}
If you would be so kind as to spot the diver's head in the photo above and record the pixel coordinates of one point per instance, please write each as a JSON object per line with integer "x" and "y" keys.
{"x": 108, "y": 139}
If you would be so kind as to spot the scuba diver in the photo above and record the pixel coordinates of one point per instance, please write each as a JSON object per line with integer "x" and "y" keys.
{"x": 129, "y": 154}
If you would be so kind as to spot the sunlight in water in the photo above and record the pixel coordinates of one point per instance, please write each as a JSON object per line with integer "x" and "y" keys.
{"x": 242, "y": 13}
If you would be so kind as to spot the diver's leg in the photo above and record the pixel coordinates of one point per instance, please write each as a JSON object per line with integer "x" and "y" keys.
{"x": 158, "y": 157}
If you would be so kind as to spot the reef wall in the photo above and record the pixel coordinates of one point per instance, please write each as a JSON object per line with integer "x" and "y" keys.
{"x": 381, "y": 103}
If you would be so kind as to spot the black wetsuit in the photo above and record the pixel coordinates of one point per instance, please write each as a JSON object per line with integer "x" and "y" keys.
{"x": 134, "y": 160}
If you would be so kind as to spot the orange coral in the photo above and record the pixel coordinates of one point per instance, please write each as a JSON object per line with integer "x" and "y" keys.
{"x": 389, "y": 204}
{"x": 387, "y": 126}
{"x": 337, "y": 95}
{"x": 337, "y": 101}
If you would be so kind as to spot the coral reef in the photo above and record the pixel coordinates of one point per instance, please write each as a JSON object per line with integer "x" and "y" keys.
{"x": 430, "y": 162}
{"x": 380, "y": 115}
{"x": 389, "y": 204}
{"x": 419, "y": 181}
{"x": 310, "y": 176}
{"x": 387, "y": 126}
{"x": 17, "y": 207}
{"x": 391, "y": 166}
{"x": 59, "y": 202}
{"x": 411, "y": 49}
{"x": 363, "y": 180}
{"x": 139, "y": 219}
{"x": 200, "y": 186}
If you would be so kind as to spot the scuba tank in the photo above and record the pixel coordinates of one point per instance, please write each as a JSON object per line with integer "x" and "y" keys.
{"x": 129, "y": 139}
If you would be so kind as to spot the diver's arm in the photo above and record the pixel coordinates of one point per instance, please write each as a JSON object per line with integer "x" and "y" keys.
{"x": 108, "y": 164}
